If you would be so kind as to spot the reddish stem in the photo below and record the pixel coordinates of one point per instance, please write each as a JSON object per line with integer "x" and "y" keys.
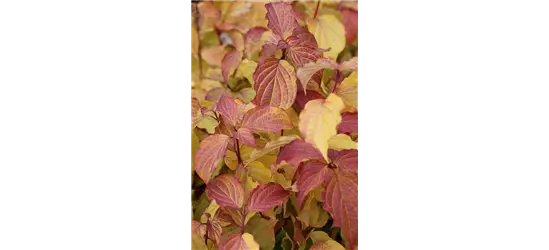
{"x": 316, "y": 9}
{"x": 336, "y": 80}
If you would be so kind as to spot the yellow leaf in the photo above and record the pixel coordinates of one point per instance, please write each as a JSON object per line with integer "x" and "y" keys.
{"x": 212, "y": 208}
{"x": 319, "y": 236}
{"x": 208, "y": 123}
{"x": 250, "y": 242}
{"x": 269, "y": 147}
{"x": 312, "y": 215}
{"x": 342, "y": 142}
{"x": 194, "y": 39}
{"x": 348, "y": 90}
{"x": 329, "y": 33}
{"x": 327, "y": 245}
{"x": 194, "y": 146}
{"x": 259, "y": 172}
{"x": 246, "y": 69}
{"x": 318, "y": 121}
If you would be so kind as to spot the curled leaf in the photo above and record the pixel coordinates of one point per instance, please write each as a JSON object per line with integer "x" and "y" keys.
{"x": 230, "y": 63}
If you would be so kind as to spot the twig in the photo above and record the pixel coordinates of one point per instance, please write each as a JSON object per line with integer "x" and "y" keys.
{"x": 316, "y": 9}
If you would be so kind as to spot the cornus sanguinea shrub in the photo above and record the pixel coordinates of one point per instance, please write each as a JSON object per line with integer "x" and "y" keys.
{"x": 274, "y": 125}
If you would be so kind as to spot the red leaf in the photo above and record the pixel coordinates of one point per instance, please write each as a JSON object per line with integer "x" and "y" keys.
{"x": 266, "y": 196}
{"x": 228, "y": 109}
{"x": 349, "y": 123}
{"x": 301, "y": 99}
{"x": 230, "y": 63}
{"x": 302, "y": 49}
{"x": 350, "y": 21}
{"x": 254, "y": 34}
{"x": 347, "y": 160}
{"x": 226, "y": 191}
{"x": 213, "y": 228}
{"x": 312, "y": 175}
{"x": 208, "y": 153}
{"x": 298, "y": 151}
{"x": 341, "y": 201}
{"x": 275, "y": 83}
{"x": 265, "y": 118}
{"x": 239, "y": 242}
{"x": 281, "y": 18}
{"x": 245, "y": 136}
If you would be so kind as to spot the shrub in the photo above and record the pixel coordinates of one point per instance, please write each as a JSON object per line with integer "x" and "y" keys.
{"x": 274, "y": 125}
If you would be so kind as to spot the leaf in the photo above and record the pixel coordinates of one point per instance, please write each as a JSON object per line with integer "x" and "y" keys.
{"x": 227, "y": 191}
{"x": 196, "y": 114}
{"x": 239, "y": 242}
{"x": 312, "y": 175}
{"x": 197, "y": 238}
{"x": 275, "y": 83}
{"x": 345, "y": 159}
{"x": 349, "y": 123}
{"x": 350, "y": 22}
{"x": 327, "y": 245}
{"x": 213, "y": 55}
{"x": 312, "y": 213}
{"x": 252, "y": 42}
{"x": 343, "y": 186}
{"x": 302, "y": 48}
{"x": 318, "y": 121}
{"x": 213, "y": 229}
{"x": 319, "y": 236}
{"x": 259, "y": 172}
{"x": 266, "y": 118}
{"x": 266, "y": 196}
{"x": 301, "y": 98}
{"x": 263, "y": 231}
{"x": 245, "y": 136}
{"x": 348, "y": 93}
{"x": 269, "y": 147}
{"x": 246, "y": 70}
{"x": 209, "y": 152}
{"x": 298, "y": 151}
{"x": 230, "y": 63}
{"x": 305, "y": 73}
{"x": 228, "y": 109}
{"x": 210, "y": 210}
{"x": 281, "y": 18}
{"x": 349, "y": 65}
{"x": 341, "y": 142}
{"x": 208, "y": 123}
{"x": 329, "y": 33}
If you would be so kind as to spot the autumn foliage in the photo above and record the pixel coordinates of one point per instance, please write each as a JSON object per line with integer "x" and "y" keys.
{"x": 275, "y": 125}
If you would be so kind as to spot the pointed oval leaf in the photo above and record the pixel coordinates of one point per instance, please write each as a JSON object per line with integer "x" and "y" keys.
{"x": 343, "y": 186}
{"x": 318, "y": 121}
{"x": 226, "y": 190}
{"x": 230, "y": 63}
{"x": 349, "y": 123}
{"x": 266, "y": 196}
{"x": 350, "y": 21}
{"x": 329, "y": 33}
{"x": 275, "y": 83}
{"x": 209, "y": 152}
{"x": 269, "y": 147}
{"x": 312, "y": 175}
{"x": 347, "y": 160}
{"x": 245, "y": 136}
{"x": 298, "y": 151}
{"x": 281, "y": 18}
{"x": 266, "y": 118}
{"x": 302, "y": 48}
{"x": 239, "y": 242}
{"x": 228, "y": 109}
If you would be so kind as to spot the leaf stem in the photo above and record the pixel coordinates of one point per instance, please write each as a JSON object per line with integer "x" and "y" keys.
{"x": 316, "y": 9}
{"x": 237, "y": 148}
{"x": 336, "y": 80}
{"x": 243, "y": 223}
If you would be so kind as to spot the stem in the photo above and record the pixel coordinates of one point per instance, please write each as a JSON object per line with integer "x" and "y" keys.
{"x": 238, "y": 151}
{"x": 243, "y": 225}
{"x": 196, "y": 20}
{"x": 281, "y": 132}
{"x": 336, "y": 80}
{"x": 297, "y": 170}
{"x": 316, "y": 9}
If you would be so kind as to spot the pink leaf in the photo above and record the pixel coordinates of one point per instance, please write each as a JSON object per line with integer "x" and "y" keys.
{"x": 301, "y": 99}
{"x": 341, "y": 201}
{"x": 281, "y": 18}
{"x": 346, "y": 160}
{"x": 349, "y": 123}
{"x": 302, "y": 48}
{"x": 228, "y": 109}
{"x": 298, "y": 151}
{"x": 245, "y": 136}
{"x": 208, "y": 153}
{"x": 312, "y": 175}
{"x": 266, "y": 196}
{"x": 230, "y": 63}
{"x": 350, "y": 21}
{"x": 275, "y": 83}
{"x": 227, "y": 191}
{"x": 266, "y": 118}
